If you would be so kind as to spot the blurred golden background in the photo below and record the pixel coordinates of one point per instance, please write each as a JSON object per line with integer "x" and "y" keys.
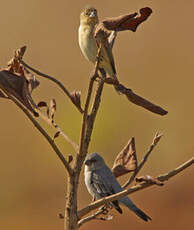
{"x": 156, "y": 62}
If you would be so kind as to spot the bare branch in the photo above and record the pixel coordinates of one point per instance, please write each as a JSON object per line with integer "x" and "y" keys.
{"x": 145, "y": 158}
{"x": 163, "y": 177}
{"x": 53, "y": 124}
{"x": 42, "y": 131}
{"x": 89, "y": 218}
{"x": 90, "y": 88}
{"x": 55, "y": 81}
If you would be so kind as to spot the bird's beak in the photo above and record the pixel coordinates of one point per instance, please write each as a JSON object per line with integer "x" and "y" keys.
{"x": 87, "y": 162}
{"x": 92, "y": 14}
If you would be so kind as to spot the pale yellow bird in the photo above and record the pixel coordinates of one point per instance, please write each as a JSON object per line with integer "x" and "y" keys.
{"x": 87, "y": 42}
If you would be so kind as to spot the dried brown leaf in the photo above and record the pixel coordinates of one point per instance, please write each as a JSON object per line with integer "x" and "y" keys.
{"x": 14, "y": 64}
{"x": 20, "y": 86}
{"x": 42, "y": 104}
{"x": 48, "y": 112}
{"x": 140, "y": 101}
{"x": 61, "y": 216}
{"x": 18, "y": 81}
{"x": 149, "y": 179}
{"x": 123, "y": 22}
{"x": 70, "y": 158}
{"x": 126, "y": 160}
{"x": 157, "y": 138}
{"x": 76, "y": 98}
{"x": 56, "y": 135}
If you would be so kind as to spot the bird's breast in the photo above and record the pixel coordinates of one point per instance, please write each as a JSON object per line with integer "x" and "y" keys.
{"x": 87, "y": 43}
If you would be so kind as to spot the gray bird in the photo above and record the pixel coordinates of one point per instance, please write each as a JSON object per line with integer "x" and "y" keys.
{"x": 101, "y": 182}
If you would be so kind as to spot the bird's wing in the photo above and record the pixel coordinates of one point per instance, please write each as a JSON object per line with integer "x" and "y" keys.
{"x": 100, "y": 184}
{"x": 102, "y": 36}
{"x": 108, "y": 52}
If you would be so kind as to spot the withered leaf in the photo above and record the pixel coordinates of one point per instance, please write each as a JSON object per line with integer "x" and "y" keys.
{"x": 14, "y": 64}
{"x": 157, "y": 138}
{"x": 56, "y": 135}
{"x": 19, "y": 86}
{"x": 61, "y": 216}
{"x": 70, "y": 158}
{"x": 42, "y": 104}
{"x": 149, "y": 179}
{"x": 121, "y": 23}
{"x": 126, "y": 160}
{"x": 76, "y": 98}
{"x": 18, "y": 81}
{"x": 138, "y": 100}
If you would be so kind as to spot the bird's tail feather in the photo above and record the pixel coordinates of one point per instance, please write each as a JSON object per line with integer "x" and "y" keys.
{"x": 141, "y": 214}
{"x": 117, "y": 207}
{"x": 127, "y": 202}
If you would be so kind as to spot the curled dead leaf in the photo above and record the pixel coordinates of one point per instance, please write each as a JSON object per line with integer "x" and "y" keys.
{"x": 126, "y": 160}
{"x": 61, "y": 216}
{"x": 19, "y": 86}
{"x": 137, "y": 100}
{"x": 14, "y": 64}
{"x": 121, "y": 23}
{"x": 18, "y": 81}
{"x": 56, "y": 135}
{"x": 70, "y": 158}
{"x": 76, "y": 98}
{"x": 157, "y": 138}
{"x": 42, "y": 104}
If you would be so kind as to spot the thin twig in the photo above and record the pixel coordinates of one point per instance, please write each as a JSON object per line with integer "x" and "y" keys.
{"x": 42, "y": 131}
{"x": 145, "y": 158}
{"x": 54, "y": 80}
{"x": 94, "y": 110}
{"x": 163, "y": 177}
{"x": 89, "y": 218}
{"x": 53, "y": 124}
{"x": 90, "y": 124}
